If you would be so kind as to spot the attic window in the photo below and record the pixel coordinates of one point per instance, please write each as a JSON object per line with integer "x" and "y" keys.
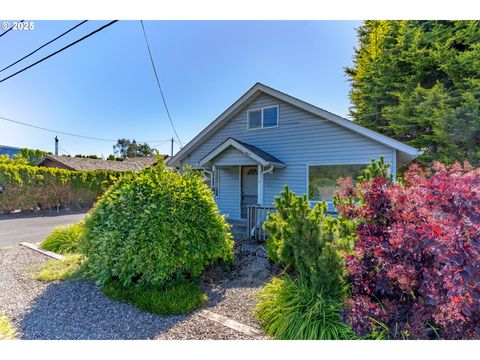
{"x": 262, "y": 118}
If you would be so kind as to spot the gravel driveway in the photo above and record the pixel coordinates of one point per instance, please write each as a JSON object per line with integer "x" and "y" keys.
{"x": 79, "y": 310}
{"x": 33, "y": 227}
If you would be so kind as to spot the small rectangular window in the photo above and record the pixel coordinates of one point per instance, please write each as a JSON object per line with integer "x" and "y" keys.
{"x": 262, "y": 118}
{"x": 255, "y": 119}
{"x": 322, "y": 179}
{"x": 270, "y": 117}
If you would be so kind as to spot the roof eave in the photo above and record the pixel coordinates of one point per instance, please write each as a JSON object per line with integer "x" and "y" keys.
{"x": 258, "y": 87}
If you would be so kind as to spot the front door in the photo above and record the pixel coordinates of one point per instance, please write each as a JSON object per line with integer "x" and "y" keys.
{"x": 249, "y": 188}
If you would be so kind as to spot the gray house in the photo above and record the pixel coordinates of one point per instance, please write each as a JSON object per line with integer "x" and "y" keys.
{"x": 268, "y": 139}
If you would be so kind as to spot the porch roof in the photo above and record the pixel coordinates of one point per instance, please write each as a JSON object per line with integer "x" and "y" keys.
{"x": 251, "y": 151}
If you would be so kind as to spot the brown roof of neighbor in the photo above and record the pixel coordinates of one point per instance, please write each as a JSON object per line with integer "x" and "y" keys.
{"x": 77, "y": 163}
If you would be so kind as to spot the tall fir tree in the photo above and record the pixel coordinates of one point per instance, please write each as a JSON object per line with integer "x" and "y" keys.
{"x": 419, "y": 82}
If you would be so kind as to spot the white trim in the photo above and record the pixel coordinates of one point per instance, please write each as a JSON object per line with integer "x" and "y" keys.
{"x": 232, "y": 142}
{"x": 325, "y": 164}
{"x": 215, "y": 180}
{"x": 260, "y": 185}
{"x": 261, "y": 109}
{"x": 256, "y": 90}
{"x": 240, "y": 192}
{"x": 393, "y": 165}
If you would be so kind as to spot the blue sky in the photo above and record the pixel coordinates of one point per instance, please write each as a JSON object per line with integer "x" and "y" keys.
{"x": 105, "y": 87}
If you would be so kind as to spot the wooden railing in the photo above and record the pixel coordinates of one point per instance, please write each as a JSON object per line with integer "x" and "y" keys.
{"x": 256, "y": 216}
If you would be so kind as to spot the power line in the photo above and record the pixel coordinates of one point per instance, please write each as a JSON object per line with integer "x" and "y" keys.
{"x": 55, "y": 131}
{"x": 162, "y": 143}
{"x": 41, "y": 47}
{"x": 158, "y": 83}
{"x": 58, "y": 51}
{"x": 10, "y": 29}
{"x": 65, "y": 151}
{"x": 71, "y": 134}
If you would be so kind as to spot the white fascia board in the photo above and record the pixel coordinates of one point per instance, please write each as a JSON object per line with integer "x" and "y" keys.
{"x": 232, "y": 110}
{"x": 341, "y": 121}
{"x": 235, "y": 107}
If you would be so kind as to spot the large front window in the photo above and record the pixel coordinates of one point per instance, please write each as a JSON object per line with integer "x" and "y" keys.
{"x": 322, "y": 179}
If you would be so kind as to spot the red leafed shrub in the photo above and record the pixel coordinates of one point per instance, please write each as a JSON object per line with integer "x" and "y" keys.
{"x": 416, "y": 263}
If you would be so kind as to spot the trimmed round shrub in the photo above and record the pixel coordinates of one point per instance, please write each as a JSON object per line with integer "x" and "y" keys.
{"x": 155, "y": 227}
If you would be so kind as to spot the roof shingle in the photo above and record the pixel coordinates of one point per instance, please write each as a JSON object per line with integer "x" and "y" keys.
{"x": 86, "y": 164}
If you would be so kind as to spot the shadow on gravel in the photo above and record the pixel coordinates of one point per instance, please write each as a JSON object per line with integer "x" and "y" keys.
{"x": 78, "y": 310}
{"x": 252, "y": 270}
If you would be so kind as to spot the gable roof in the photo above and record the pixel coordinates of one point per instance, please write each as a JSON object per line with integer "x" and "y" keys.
{"x": 251, "y": 151}
{"x": 86, "y": 164}
{"x": 407, "y": 152}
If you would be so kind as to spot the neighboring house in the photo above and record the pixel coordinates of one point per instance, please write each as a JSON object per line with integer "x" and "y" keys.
{"x": 77, "y": 163}
{"x": 9, "y": 150}
{"x": 268, "y": 139}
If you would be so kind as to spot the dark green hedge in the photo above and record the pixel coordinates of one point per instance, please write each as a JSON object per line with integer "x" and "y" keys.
{"x": 32, "y": 188}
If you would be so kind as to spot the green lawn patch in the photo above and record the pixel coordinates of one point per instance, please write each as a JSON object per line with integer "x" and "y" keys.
{"x": 7, "y": 332}
{"x": 70, "y": 267}
{"x": 64, "y": 239}
{"x": 180, "y": 298}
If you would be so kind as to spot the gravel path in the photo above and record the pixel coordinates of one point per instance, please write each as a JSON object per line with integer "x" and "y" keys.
{"x": 79, "y": 310}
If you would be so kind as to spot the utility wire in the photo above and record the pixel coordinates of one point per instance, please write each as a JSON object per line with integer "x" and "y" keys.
{"x": 58, "y": 51}
{"x": 56, "y": 131}
{"x": 71, "y": 134}
{"x": 10, "y": 29}
{"x": 158, "y": 83}
{"x": 65, "y": 151}
{"x": 41, "y": 47}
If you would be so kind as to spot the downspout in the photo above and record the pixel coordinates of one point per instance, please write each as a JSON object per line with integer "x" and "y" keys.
{"x": 269, "y": 170}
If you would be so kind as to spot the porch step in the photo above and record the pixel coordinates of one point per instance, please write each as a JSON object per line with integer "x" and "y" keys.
{"x": 239, "y": 228}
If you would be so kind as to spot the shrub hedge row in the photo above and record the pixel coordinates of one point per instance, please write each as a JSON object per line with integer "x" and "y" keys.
{"x": 32, "y": 188}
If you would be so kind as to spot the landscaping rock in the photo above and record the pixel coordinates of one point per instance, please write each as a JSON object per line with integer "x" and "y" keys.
{"x": 79, "y": 310}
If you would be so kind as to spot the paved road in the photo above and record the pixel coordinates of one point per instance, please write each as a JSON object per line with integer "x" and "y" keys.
{"x": 15, "y": 229}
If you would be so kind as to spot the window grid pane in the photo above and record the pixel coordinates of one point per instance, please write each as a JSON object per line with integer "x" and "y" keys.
{"x": 270, "y": 117}
{"x": 255, "y": 119}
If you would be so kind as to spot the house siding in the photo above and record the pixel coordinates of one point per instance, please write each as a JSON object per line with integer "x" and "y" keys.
{"x": 301, "y": 139}
{"x": 228, "y": 198}
{"x": 232, "y": 156}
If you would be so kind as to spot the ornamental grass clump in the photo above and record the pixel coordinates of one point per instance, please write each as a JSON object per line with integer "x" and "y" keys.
{"x": 306, "y": 302}
{"x": 289, "y": 309}
{"x": 155, "y": 228}
{"x": 64, "y": 239}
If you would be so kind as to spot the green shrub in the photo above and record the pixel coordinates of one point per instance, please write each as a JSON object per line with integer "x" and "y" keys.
{"x": 181, "y": 297}
{"x": 70, "y": 267}
{"x": 154, "y": 228}
{"x": 307, "y": 241}
{"x": 290, "y": 309}
{"x": 64, "y": 239}
{"x": 31, "y": 187}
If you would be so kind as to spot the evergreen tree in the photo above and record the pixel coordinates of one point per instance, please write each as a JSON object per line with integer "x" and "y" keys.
{"x": 419, "y": 82}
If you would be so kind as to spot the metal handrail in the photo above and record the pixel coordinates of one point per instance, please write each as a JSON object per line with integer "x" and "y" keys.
{"x": 256, "y": 216}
